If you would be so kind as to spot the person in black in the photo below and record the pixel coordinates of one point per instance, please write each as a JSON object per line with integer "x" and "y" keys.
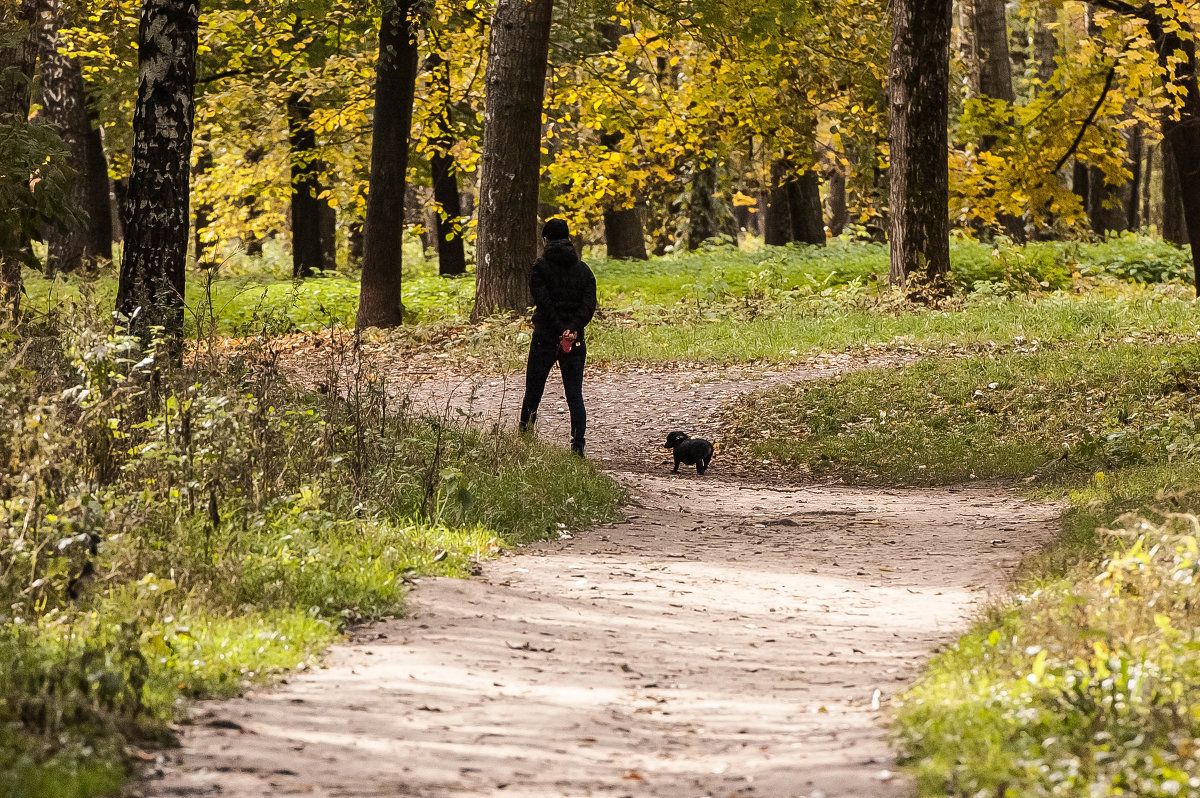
{"x": 564, "y": 298}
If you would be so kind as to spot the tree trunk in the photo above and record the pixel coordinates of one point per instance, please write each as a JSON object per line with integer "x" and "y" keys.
{"x": 379, "y": 303}
{"x": 65, "y": 105}
{"x": 510, "y": 164}
{"x": 1105, "y": 206}
{"x": 1174, "y": 228}
{"x": 204, "y": 162}
{"x": 1177, "y": 55}
{"x": 1133, "y": 192}
{"x": 839, "y": 214}
{"x": 1080, "y": 177}
{"x": 804, "y": 204}
{"x": 99, "y": 193}
{"x": 919, "y": 98}
{"x": 16, "y": 77}
{"x": 988, "y": 24}
{"x": 702, "y": 211}
{"x": 1045, "y": 43}
{"x": 151, "y": 289}
{"x": 452, "y": 258}
{"x": 18, "y": 61}
{"x": 624, "y": 236}
{"x": 312, "y": 249}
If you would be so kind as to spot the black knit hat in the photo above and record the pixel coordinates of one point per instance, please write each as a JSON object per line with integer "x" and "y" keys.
{"x": 555, "y": 230}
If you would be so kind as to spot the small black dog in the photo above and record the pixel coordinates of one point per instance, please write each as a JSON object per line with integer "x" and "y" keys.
{"x": 693, "y": 451}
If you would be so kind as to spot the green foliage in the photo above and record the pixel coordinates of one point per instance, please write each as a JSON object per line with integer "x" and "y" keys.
{"x": 1083, "y": 685}
{"x": 169, "y": 535}
{"x": 34, "y": 184}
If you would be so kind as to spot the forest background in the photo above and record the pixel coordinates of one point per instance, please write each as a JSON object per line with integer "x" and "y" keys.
{"x": 1002, "y": 189}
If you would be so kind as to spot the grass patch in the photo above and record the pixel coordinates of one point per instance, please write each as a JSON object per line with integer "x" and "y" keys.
{"x": 178, "y": 534}
{"x": 1054, "y": 412}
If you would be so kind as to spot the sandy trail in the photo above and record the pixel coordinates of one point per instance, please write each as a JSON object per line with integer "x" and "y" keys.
{"x": 728, "y": 639}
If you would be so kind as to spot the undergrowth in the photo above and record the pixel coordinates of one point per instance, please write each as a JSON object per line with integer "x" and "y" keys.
{"x": 176, "y": 532}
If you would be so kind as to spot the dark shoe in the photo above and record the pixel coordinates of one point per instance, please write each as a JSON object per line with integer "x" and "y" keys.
{"x": 577, "y": 447}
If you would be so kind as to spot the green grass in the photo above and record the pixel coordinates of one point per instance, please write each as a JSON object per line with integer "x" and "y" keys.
{"x": 229, "y": 524}
{"x": 676, "y": 307}
{"x": 1034, "y": 410}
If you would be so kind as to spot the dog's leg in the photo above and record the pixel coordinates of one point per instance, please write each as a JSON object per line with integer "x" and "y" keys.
{"x": 676, "y": 469}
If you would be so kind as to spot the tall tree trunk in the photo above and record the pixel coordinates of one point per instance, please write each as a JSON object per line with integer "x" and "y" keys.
{"x": 702, "y": 211}
{"x": 624, "y": 236}
{"x": 919, "y": 107}
{"x": 987, "y": 22}
{"x": 1133, "y": 193}
{"x": 204, "y": 162}
{"x": 1080, "y": 177}
{"x": 777, "y": 226}
{"x": 312, "y": 248}
{"x": 839, "y": 214}
{"x": 151, "y": 289}
{"x": 1045, "y": 43}
{"x": 452, "y": 258}
{"x": 65, "y": 105}
{"x": 379, "y": 303}
{"x": 99, "y": 193}
{"x": 991, "y": 59}
{"x": 17, "y": 63}
{"x": 510, "y": 166}
{"x": 1177, "y": 55}
{"x": 1105, "y": 205}
{"x": 1174, "y": 227}
{"x": 804, "y": 202}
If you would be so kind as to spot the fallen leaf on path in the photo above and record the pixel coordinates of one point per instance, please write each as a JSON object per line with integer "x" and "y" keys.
{"x": 632, "y": 775}
{"x": 527, "y": 647}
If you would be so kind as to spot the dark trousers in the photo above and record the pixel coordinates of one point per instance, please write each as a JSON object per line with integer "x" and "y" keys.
{"x": 543, "y": 354}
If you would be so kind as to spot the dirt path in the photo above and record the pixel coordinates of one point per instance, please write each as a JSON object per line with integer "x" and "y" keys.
{"x": 728, "y": 639}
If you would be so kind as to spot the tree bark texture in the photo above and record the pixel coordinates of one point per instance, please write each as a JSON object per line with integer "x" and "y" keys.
{"x": 64, "y": 105}
{"x": 1045, "y": 43}
{"x": 839, "y": 213}
{"x": 918, "y": 106}
{"x": 204, "y": 162}
{"x": 1182, "y": 134}
{"x": 452, "y": 258}
{"x": 99, "y": 192}
{"x": 777, "y": 226}
{"x": 17, "y": 62}
{"x": 702, "y": 211}
{"x": 804, "y": 203}
{"x": 379, "y": 302}
{"x": 1133, "y": 194}
{"x": 16, "y": 78}
{"x": 1174, "y": 228}
{"x": 151, "y": 290}
{"x": 510, "y": 165}
{"x": 313, "y": 249}
{"x": 987, "y": 23}
{"x": 624, "y": 238}
{"x": 624, "y": 235}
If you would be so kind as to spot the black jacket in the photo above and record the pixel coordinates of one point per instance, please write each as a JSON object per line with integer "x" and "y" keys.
{"x": 564, "y": 291}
